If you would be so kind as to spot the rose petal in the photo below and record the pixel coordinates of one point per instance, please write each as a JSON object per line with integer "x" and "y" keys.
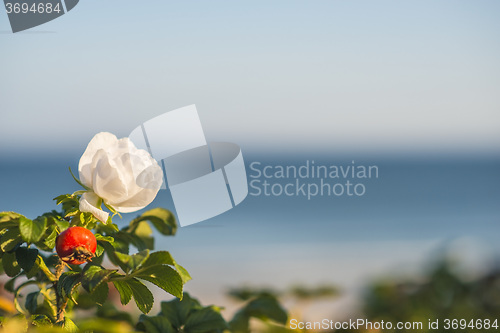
{"x": 107, "y": 178}
{"x": 139, "y": 201}
{"x": 102, "y": 140}
{"x": 88, "y": 203}
{"x": 125, "y": 177}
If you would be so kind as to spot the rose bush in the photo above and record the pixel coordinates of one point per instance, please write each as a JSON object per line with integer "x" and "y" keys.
{"x": 116, "y": 173}
{"x": 51, "y": 290}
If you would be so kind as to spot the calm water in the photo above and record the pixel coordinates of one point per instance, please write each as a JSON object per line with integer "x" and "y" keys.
{"x": 413, "y": 207}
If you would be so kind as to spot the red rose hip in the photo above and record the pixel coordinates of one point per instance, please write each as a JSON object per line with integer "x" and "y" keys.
{"x": 76, "y": 245}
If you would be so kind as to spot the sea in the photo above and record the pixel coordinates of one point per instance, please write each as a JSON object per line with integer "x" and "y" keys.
{"x": 416, "y": 210}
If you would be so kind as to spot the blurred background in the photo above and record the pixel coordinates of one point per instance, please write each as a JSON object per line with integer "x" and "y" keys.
{"x": 412, "y": 87}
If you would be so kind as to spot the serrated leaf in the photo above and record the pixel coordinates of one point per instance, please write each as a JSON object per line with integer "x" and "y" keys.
{"x": 109, "y": 228}
{"x": 98, "y": 251}
{"x": 142, "y": 236}
{"x": 164, "y": 257}
{"x": 72, "y": 212}
{"x": 40, "y": 262}
{"x": 121, "y": 243}
{"x": 62, "y": 225}
{"x": 164, "y": 277}
{"x": 40, "y": 320}
{"x": 6, "y": 216}
{"x": 70, "y": 326}
{"x": 67, "y": 283}
{"x": 111, "y": 252}
{"x": 93, "y": 276}
{"x": 131, "y": 262}
{"x": 160, "y": 258}
{"x": 48, "y": 241}
{"x": 163, "y": 220}
{"x": 183, "y": 273}
{"x": 142, "y": 296}
{"x": 9, "y": 219}
{"x": 32, "y": 272}
{"x": 100, "y": 293}
{"x": 157, "y": 324}
{"x": 10, "y": 239}
{"x": 26, "y": 258}
{"x": 10, "y": 264}
{"x": 124, "y": 290}
{"x": 205, "y": 320}
{"x": 62, "y": 198}
{"x": 31, "y": 303}
{"x": 32, "y": 231}
{"x": 102, "y": 238}
{"x": 177, "y": 311}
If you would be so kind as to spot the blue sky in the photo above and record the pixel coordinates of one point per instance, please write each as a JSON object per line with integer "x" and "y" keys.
{"x": 322, "y": 75}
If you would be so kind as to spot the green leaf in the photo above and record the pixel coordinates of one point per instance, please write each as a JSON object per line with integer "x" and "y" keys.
{"x": 62, "y": 225}
{"x": 17, "y": 296}
{"x": 162, "y": 219}
{"x": 164, "y": 257}
{"x": 124, "y": 290}
{"x": 266, "y": 308}
{"x": 10, "y": 264}
{"x": 142, "y": 296}
{"x": 31, "y": 303}
{"x": 240, "y": 323}
{"x": 72, "y": 212}
{"x": 9, "y": 219}
{"x": 177, "y": 311}
{"x": 164, "y": 277}
{"x": 108, "y": 228}
{"x": 205, "y": 320}
{"x": 98, "y": 251}
{"x": 157, "y": 324}
{"x": 142, "y": 236}
{"x": 10, "y": 239}
{"x": 183, "y": 273}
{"x": 93, "y": 276}
{"x": 100, "y": 293}
{"x": 102, "y": 238}
{"x": 26, "y": 257}
{"x": 43, "y": 267}
{"x": 48, "y": 241}
{"x": 40, "y": 320}
{"x": 102, "y": 325}
{"x": 62, "y": 198}
{"x": 111, "y": 252}
{"x": 67, "y": 283}
{"x": 160, "y": 258}
{"x": 10, "y": 285}
{"x": 131, "y": 262}
{"x": 70, "y": 326}
{"x": 32, "y": 231}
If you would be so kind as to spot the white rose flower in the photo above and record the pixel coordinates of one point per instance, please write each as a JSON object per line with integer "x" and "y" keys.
{"x": 116, "y": 172}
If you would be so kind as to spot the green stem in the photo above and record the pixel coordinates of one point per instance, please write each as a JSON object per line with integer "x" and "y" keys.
{"x": 61, "y": 303}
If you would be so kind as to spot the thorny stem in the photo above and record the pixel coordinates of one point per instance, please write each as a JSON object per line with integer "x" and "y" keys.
{"x": 60, "y": 302}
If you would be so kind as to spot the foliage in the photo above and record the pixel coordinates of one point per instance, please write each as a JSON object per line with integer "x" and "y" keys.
{"x": 189, "y": 316}
{"x": 298, "y": 292}
{"x": 44, "y": 287}
{"x": 441, "y": 294}
{"x": 48, "y": 293}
